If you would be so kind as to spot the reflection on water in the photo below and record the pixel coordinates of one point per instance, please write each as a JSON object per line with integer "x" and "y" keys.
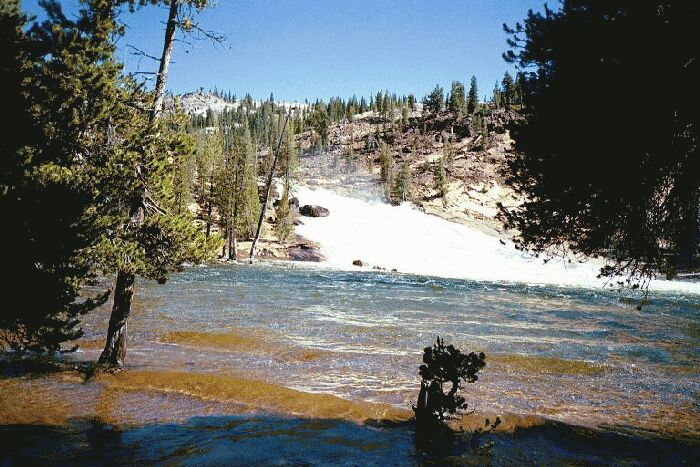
{"x": 227, "y": 340}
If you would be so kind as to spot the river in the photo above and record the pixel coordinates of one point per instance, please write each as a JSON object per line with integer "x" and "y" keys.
{"x": 283, "y": 362}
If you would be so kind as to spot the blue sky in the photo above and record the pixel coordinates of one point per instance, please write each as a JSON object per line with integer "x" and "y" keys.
{"x": 301, "y": 49}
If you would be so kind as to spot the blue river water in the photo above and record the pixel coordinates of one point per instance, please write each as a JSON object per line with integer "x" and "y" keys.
{"x": 582, "y": 373}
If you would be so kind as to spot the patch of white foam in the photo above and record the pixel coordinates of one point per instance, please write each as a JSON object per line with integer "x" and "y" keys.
{"x": 410, "y": 241}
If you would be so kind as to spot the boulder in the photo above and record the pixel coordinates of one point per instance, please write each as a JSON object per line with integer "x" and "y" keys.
{"x": 305, "y": 252}
{"x": 293, "y": 202}
{"x": 313, "y": 211}
{"x": 357, "y": 262}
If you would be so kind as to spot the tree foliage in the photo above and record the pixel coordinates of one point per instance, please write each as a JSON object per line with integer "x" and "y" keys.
{"x": 58, "y": 105}
{"x": 604, "y": 170}
{"x": 458, "y": 102}
{"x": 86, "y": 153}
{"x": 435, "y": 101}
{"x": 473, "y": 98}
{"x": 445, "y": 365}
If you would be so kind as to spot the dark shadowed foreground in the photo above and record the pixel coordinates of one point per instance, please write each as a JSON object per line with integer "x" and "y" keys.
{"x": 250, "y": 440}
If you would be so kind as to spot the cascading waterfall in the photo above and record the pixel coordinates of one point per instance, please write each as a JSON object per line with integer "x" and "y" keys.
{"x": 410, "y": 241}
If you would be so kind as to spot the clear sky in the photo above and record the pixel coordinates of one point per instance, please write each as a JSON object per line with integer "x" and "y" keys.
{"x": 301, "y": 49}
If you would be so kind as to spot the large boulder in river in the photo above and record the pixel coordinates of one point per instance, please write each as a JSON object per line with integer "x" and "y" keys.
{"x": 313, "y": 211}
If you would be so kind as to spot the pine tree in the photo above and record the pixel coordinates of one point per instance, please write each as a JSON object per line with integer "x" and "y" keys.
{"x": 142, "y": 234}
{"x": 48, "y": 78}
{"x": 209, "y": 160}
{"x": 448, "y": 153}
{"x": 634, "y": 199}
{"x": 497, "y": 95}
{"x": 289, "y": 160}
{"x": 473, "y": 101}
{"x": 386, "y": 162}
{"x": 457, "y": 98}
{"x": 247, "y": 200}
{"x": 508, "y": 96}
{"x": 402, "y": 185}
{"x": 319, "y": 121}
{"x": 441, "y": 180}
{"x": 284, "y": 218}
{"x": 435, "y": 101}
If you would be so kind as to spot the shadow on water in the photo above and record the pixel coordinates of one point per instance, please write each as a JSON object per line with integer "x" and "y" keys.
{"x": 246, "y": 440}
{"x": 33, "y": 366}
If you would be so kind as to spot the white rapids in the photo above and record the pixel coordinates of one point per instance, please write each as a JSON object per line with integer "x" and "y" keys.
{"x": 410, "y": 241}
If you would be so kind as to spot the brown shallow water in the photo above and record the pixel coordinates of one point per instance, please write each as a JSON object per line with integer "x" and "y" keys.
{"x": 285, "y": 345}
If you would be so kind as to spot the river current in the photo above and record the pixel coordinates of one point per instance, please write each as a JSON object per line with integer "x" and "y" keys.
{"x": 283, "y": 362}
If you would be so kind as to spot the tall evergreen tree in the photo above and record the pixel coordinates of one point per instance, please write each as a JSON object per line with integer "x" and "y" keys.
{"x": 209, "y": 159}
{"x": 50, "y": 80}
{"x": 508, "y": 93}
{"x": 435, "y": 101}
{"x": 457, "y": 98}
{"x": 402, "y": 185}
{"x": 630, "y": 193}
{"x": 473, "y": 100}
{"x": 319, "y": 122}
{"x": 247, "y": 200}
{"x": 284, "y": 218}
{"x": 441, "y": 180}
{"x": 142, "y": 235}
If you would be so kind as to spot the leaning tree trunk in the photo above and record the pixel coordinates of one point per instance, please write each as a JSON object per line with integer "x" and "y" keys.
{"x": 267, "y": 191}
{"x": 169, "y": 44}
{"x": 114, "y": 352}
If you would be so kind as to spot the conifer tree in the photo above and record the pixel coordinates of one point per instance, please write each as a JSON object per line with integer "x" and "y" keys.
{"x": 402, "y": 185}
{"x": 386, "y": 162}
{"x": 142, "y": 232}
{"x": 319, "y": 121}
{"x": 284, "y": 218}
{"x": 43, "y": 195}
{"x": 247, "y": 199}
{"x": 508, "y": 94}
{"x": 441, "y": 180}
{"x": 209, "y": 159}
{"x": 457, "y": 98}
{"x": 497, "y": 95}
{"x": 448, "y": 153}
{"x": 634, "y": 196}
{"x": 435, "y": 101}
{"x": 289, "y": 160}
{"x": 473, "y": 101}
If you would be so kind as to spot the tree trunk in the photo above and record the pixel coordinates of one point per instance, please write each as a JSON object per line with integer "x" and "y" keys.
{"x": 168, "y": 46}
{"x": 232, "y": 243}
{"x": 114, "y": 352}
{"x": 267, "y": 190}
{"x": 115, "y": 349}
{"x": 210, "y": 205}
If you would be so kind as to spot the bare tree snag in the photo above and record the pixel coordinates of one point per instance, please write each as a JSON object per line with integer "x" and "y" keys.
{"x": 267, "y": 190}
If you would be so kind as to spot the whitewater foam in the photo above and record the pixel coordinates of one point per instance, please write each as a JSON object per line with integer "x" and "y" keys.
{"x": 410, "y": 241}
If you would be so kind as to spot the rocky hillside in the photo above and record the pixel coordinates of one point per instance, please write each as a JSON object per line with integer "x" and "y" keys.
{"x": 475, "y": 185}
{"x": 199, "y": 102}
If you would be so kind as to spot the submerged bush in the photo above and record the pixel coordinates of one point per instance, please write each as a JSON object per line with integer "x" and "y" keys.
{"x": 445, "y": 368}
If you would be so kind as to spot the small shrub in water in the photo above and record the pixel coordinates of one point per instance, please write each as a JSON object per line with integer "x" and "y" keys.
{"x": 444, "y": 371}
